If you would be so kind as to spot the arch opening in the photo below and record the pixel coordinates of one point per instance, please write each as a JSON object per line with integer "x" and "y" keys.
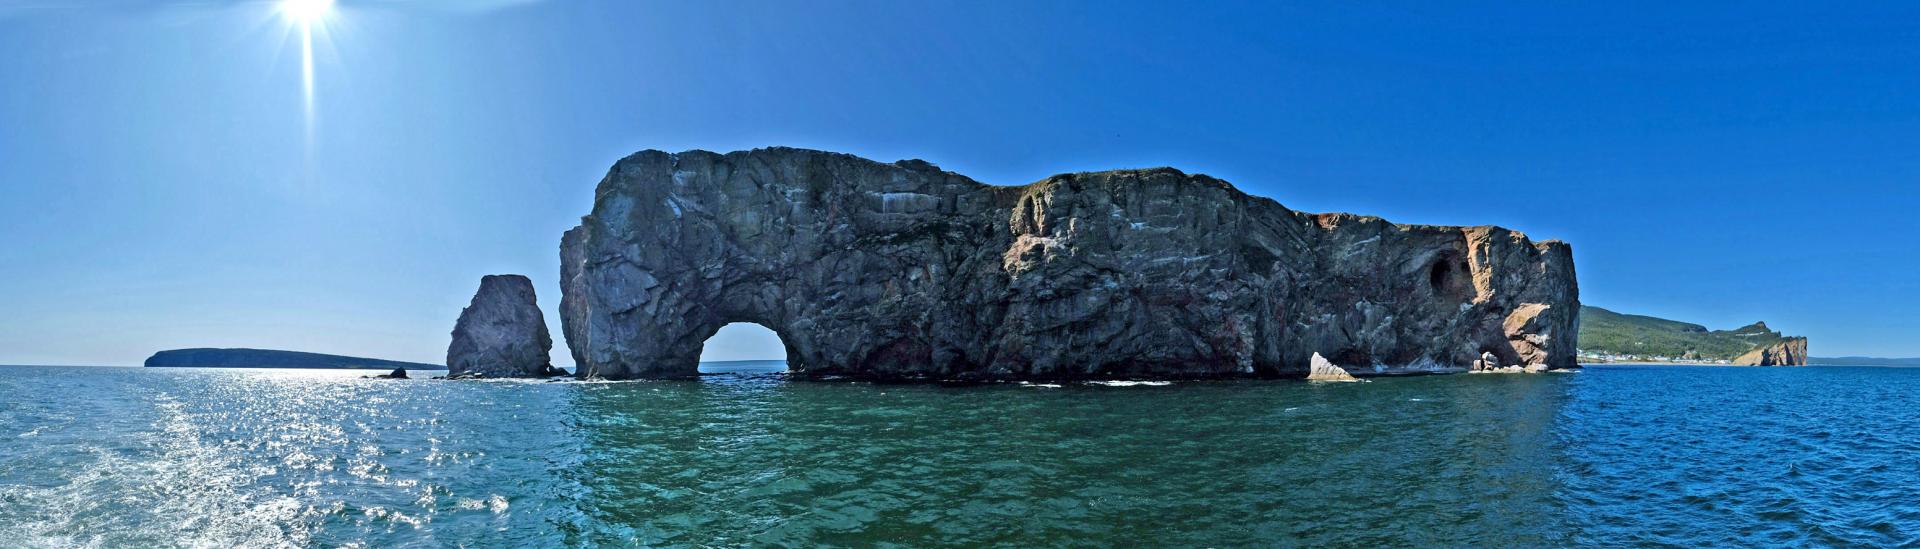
{"x": 743, "y": 347}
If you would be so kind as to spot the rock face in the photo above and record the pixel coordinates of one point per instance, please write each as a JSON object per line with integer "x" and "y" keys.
{"x": 903, "y": 270}
{"x": 502, "y": 333}
{"x": 1791, "y": 351}
{"x": 1320, "y": 369}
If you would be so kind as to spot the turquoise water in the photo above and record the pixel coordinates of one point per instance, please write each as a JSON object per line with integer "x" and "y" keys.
{"x": 1608, "y": 456}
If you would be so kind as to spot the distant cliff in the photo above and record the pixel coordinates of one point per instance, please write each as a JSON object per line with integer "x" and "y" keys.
{"x": 1605, "y": 333}
{"x": 1791, "y": 351}
{"x": 266, "y": 358}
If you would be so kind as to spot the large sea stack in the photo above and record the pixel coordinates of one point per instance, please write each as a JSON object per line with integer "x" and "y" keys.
{"x": 501, "y": 333}
{"x": 903, "y": 270}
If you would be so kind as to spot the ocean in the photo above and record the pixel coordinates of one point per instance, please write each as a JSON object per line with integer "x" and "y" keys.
{"x": 1611, "y": 455}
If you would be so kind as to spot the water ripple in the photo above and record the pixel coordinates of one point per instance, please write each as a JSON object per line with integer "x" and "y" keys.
{"x": 1614, "y": 456}
{"x": 1743, "y": 457}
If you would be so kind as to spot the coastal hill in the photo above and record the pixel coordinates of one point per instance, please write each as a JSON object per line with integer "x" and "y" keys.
{"x": 1605, "y": 333}
{"x": 267, "y": 358}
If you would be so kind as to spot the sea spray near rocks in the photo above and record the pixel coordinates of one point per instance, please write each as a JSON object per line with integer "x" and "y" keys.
{"x": 904, "y": 270}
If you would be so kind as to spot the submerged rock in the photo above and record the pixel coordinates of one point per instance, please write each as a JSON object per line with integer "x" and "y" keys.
{"x": 397, "y": 373}
{"x": 501, "y": 333}
{"x": 904, "y": 270}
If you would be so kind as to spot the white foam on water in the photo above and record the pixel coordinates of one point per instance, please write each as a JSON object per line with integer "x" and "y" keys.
{"x": 518, "y": 380}
{"x": 1130, "y": 383}
{"x": 497, "y": 504}
{"x": 601, "y": 381}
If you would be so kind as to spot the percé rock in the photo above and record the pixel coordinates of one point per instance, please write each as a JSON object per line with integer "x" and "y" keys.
{"x": 1320, "y": 369}
{"x": 1791, "y": 351}
{"x": 501, "y": 333}
{"x": 903, "y": 270}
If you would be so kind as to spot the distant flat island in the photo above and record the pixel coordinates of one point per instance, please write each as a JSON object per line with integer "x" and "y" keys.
{"x": 268, "y": 358}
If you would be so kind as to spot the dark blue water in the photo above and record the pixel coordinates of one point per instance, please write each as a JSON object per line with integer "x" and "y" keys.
{"x": 1743, "y": 456}
{"x": 1610, "y": 456}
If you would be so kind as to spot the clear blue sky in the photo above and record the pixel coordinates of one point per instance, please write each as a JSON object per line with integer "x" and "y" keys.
{"x": 1716, "y": 163}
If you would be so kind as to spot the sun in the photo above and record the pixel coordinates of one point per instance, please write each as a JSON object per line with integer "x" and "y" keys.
{"x": 305, "y": 11}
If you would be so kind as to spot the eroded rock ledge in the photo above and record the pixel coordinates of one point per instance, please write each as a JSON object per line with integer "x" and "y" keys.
{"x": 903, "y": 270}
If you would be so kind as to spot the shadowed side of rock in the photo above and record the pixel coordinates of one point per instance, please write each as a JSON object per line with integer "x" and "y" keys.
{"x": 904, "y": 270}
{"x": 501, "y": 333}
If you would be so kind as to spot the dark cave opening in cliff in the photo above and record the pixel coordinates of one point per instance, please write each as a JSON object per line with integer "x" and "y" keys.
{"x": 1450, "y": 276}
{"x": 743, "y": 348}
{"x": 1439, "y": 275}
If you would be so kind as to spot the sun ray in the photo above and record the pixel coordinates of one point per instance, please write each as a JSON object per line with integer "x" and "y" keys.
{"x": 307, "y": 14}
{"x": 306, "y": 76}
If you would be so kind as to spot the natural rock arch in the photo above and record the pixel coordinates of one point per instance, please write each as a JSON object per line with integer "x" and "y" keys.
{"x": 743, "y": 341}
{"x": 905, "y": 270}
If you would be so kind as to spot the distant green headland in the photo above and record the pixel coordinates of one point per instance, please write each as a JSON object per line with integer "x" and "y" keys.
{"x": 267, "y": 358}
{"x": 1607, "y": 336}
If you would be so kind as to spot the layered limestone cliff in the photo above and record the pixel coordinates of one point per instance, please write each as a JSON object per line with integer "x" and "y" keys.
{"x": 903, "y": 270}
